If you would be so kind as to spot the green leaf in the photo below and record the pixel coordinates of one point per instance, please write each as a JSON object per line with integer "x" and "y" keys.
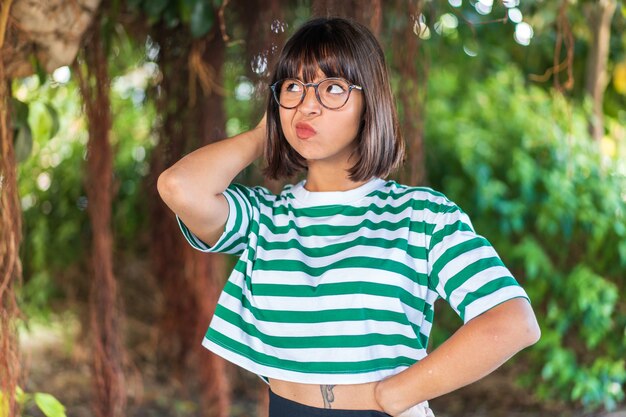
{"x": 54, "y": 117}
{"x": 49, "y": 405}
{"x": 185, "y": 7}
{"x": 19, "y": 113}
{"x": 621, "y": 247}
{"x": 171, "y": 16}
{"x": 20, "y": 396}
{"x": 42, "y": 75}
{"x": 23, "y": 143}
{"x": 154, "y": 9}
{"x": 201, "y": 19}
{"x": 107, "y": 30}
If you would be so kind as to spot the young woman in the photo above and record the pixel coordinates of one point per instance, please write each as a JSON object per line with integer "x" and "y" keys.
{"x": 331, "y": 300}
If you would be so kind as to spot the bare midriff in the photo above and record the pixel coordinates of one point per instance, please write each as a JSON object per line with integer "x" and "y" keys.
{"x": 349, "y": 397}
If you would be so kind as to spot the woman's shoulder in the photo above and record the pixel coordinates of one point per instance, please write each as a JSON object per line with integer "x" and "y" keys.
{"x": 268, "y": 195}
{"x": 418, "y": 193}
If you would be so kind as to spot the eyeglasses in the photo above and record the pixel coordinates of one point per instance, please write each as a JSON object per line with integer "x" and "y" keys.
{"x": 332, "y": 93}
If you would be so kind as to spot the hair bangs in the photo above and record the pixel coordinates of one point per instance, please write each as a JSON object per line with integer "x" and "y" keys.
{"x": 317, "y": 49}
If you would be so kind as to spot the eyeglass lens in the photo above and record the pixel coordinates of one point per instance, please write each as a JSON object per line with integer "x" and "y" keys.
{"x": 332, "y": 93}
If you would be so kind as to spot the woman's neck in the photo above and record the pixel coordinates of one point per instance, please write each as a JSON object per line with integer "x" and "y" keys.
{"x": 330, "y": 181}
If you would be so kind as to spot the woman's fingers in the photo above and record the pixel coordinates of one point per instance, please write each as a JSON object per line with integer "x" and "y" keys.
{"x": 419, "y": 410}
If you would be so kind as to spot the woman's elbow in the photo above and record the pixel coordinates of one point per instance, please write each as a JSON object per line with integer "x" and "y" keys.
{"x": 516, "y": 319}
{"x": 167, "y": 186}
{"x": 532, "y": 330}
{"x": 527, "y": 327}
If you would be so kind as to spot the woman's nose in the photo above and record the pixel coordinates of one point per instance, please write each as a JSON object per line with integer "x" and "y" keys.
{"x": 310, "y": 104}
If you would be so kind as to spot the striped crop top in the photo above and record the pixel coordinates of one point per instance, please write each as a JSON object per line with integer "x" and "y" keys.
{"x": 339, "y": 287}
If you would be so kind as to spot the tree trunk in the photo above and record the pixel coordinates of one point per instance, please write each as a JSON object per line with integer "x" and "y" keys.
{"x": 599, "y": 17}
{"x": 176, "y": 327}
{"x": 105, "y": 317}
{"x": 191, "y": 280}
{"x": 10, "y": 238}
{"x": 412, "y": 66}
{"x": 209, "y": 278}
{"x": 367, "y": 13}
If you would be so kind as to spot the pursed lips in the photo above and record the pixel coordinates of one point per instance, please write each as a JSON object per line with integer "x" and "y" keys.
{"x": 304, "y": 130}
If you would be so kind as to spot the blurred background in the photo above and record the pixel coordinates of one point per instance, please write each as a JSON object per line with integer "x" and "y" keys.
{"x": 515, "y": 109}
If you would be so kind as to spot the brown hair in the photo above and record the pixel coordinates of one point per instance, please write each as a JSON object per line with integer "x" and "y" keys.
{"x": 347, "y": 49}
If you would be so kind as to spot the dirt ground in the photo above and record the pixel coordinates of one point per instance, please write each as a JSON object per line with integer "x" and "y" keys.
{"x": 57, "y": 362}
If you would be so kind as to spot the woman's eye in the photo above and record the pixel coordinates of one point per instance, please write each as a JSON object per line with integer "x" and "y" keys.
{"x": 292, "y": 87}
{"x": 336, "y": 89}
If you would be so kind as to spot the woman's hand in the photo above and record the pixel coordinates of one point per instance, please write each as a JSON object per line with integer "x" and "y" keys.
{"x": 419, "y": 410}
{"x": 386, "y": 403}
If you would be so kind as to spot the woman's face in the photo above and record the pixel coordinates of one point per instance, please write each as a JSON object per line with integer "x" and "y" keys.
{"x": 323, "y": 136}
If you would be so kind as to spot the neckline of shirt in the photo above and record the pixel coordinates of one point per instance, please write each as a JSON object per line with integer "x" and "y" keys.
{"x": 308, "y": 198}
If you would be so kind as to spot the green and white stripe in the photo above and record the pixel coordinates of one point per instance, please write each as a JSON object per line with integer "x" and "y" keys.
{"x": 339, "y": 287}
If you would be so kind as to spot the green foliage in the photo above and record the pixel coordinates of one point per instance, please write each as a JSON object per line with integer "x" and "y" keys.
{"x": 46, "y": 403}
{"x": 201, "y": 19}
{"x": 198, "y": 15}
{"x": 22, "y": 134}
{"x": 522, "y": 164}
{"x": 49, "y": 405}
{"x": 56, "y": 226}
{"x": 47, "y": 123}
{"x": 50, "y": 185}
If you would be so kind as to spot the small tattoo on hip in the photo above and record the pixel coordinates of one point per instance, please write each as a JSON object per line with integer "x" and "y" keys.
{"x": 327, "y": 395}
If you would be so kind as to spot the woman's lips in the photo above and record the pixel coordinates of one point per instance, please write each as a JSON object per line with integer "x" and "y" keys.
{"x": 304, "y": 130}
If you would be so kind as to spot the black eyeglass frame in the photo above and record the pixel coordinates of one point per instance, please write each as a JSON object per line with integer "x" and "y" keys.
{"x": 317, "y": 94}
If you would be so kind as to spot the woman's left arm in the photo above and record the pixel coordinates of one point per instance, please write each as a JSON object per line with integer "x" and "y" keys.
{"x": 472, "y": 352}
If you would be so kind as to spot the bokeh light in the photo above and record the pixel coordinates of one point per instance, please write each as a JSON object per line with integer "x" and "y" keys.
{"x": 62, "y": 75}
{"x": 515, "y": 15}
{"x": 523, "y": 33}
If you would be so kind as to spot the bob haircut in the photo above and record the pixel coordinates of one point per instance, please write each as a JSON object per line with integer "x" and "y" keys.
{"x": 347, "y": 49}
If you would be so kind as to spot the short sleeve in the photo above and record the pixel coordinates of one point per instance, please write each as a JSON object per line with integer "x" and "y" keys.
{"x": 465, "y": 269}
{"x": 242, "y": 204}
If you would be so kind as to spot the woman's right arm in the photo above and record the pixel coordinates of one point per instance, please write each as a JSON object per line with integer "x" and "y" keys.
{"x": 192, "y": 187}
